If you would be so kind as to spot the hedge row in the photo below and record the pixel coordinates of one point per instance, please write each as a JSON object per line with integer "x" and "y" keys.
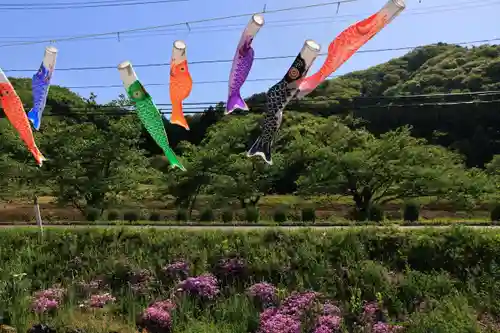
{"x": 411, "y": 213}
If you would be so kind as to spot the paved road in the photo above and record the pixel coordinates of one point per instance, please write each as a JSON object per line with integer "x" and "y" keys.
{"x": 242, "y": 228}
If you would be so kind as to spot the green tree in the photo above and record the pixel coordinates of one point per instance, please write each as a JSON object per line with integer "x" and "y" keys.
{"x": 186, "y": 186}
{"x": 238, "y": 176}
{"x": 88, "y": 167}
{"x": 381, "y": 169}
{"x": 493, "y": 169}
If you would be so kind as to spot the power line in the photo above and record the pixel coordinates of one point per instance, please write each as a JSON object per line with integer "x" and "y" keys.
{"x": 194, "y": 111}
{"x": 212, "y": 19}
{"x": 97, "y": 4}
{"x": 215, "y": 61}
{"x": 200, "y": 107}
{"x": 64, "y": 3}
{"x": 269, "y": 24}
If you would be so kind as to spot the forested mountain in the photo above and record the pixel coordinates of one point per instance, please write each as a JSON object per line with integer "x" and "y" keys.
{"x": 92, "y": 148}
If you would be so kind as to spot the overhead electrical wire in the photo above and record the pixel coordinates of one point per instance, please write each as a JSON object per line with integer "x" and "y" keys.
{"x": 97, "y": 4}
{"x": 139, "y": 33}
{"x": 194, "y": 111}
{"x": 213, "y": 61}
{"x": 201, "y": 107}
{"x": 185, "y": 23}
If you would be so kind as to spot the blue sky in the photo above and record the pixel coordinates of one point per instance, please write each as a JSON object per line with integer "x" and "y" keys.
{"x": 451, "y": 21}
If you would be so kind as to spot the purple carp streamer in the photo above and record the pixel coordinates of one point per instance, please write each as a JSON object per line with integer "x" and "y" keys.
{"x": 242, "y": 64}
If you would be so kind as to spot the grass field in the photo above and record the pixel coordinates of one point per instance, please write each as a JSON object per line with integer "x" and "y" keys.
{"x": 357, "y": 280}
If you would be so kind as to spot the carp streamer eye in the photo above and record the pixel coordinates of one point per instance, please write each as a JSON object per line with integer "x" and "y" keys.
{"x": 293, "y": 73}
{"x": 137, "y": 94}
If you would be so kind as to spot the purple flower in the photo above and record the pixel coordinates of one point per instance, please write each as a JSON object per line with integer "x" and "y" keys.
{"x": 370, "y": 309}
{"x": 323, "y": 329}
{"x": 51, "y": 293}
{"x": 166, "y": 305}
{"x": 297, "y": 304}
{"x": 232, "y": 265}
{"x": 267, "y": 313}
{"x": 204, "y": 286}
{"x": 332, "y": 322}
{"x": 381, "y": 327}
{"x": 264, "y": 292}
{"x": 330, "y": 309}
{"x": 177, "y": 269}
{"x": 99, "y": 301}
{"x": 43, "y": 304}
{"x": 280, "y": 323}
{"x": 154, "y": 318}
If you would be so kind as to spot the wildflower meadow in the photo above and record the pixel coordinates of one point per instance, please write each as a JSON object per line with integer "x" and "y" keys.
{"x": 163, "y": 281}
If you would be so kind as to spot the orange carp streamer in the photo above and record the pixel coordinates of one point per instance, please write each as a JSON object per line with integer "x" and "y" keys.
{"x": 349, "y": 41}
{"x": 181, "y": 83}
{"x": 14, "y": 110}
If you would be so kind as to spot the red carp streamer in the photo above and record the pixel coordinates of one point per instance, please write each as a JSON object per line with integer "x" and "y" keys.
{"x": 349, "y": 41}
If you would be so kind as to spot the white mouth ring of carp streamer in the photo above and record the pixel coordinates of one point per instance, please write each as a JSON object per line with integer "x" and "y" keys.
{"x": 309, "y": 52}
{"x": 3, "y": 77}
{"x": 180, "y": 45}
{"x": 49, "y": 58}
{"x": 127, "y": 74}
{"x": 258, "y": 19}
{"x": 253, "y": 27}
{"x": 179, "y": 51}
{"x": 51, "y": 49}
{"x": 399, "y": 3}
{"x": 313, "y": 45}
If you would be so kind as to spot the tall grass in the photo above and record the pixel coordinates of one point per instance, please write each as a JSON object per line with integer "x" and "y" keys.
{"x": 407, "y": 271}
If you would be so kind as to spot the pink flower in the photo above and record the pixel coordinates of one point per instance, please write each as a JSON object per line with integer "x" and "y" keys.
{"x": 99, "y": 301}
{"x": 332, "y": 322}
{"x": 156, "y": 318}
{"x": 381, "y": 327}
{"x": 51, "y": 293}
{"x": 166, "y": 305}
{"x": 264, "y": 292}
{"x": 280, "y": 323}
{"x": 323, "y": 329}
{"x": 330, "y": 309}
{"x": 203, "y": 286}
{"x": 44, "y": 304}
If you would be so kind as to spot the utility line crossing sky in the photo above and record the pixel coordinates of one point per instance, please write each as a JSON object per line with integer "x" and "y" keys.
{"x": 283, "y": 35}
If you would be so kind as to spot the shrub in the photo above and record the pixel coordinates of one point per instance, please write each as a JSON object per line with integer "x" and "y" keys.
{"x": 356, "y": 214}
{"x": 155, "y": 216}
{"x": 451, "y": 315}
{"x": 92, "y": 214}
{"x": 227, "y": 216}
{"x": 207, "y": 215}
{"x": 495, "y": 213}
{"x": 376, "y": 213}
{"x": 182, "y": 215}
{"x": 280, "y": 215}
{"x": 411, "y": 212}
{"x": 308, "y": 214}
{"x": 252, "y": 214}
{"x": 113, "y": 215}
{"x": 131, "y": 216}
